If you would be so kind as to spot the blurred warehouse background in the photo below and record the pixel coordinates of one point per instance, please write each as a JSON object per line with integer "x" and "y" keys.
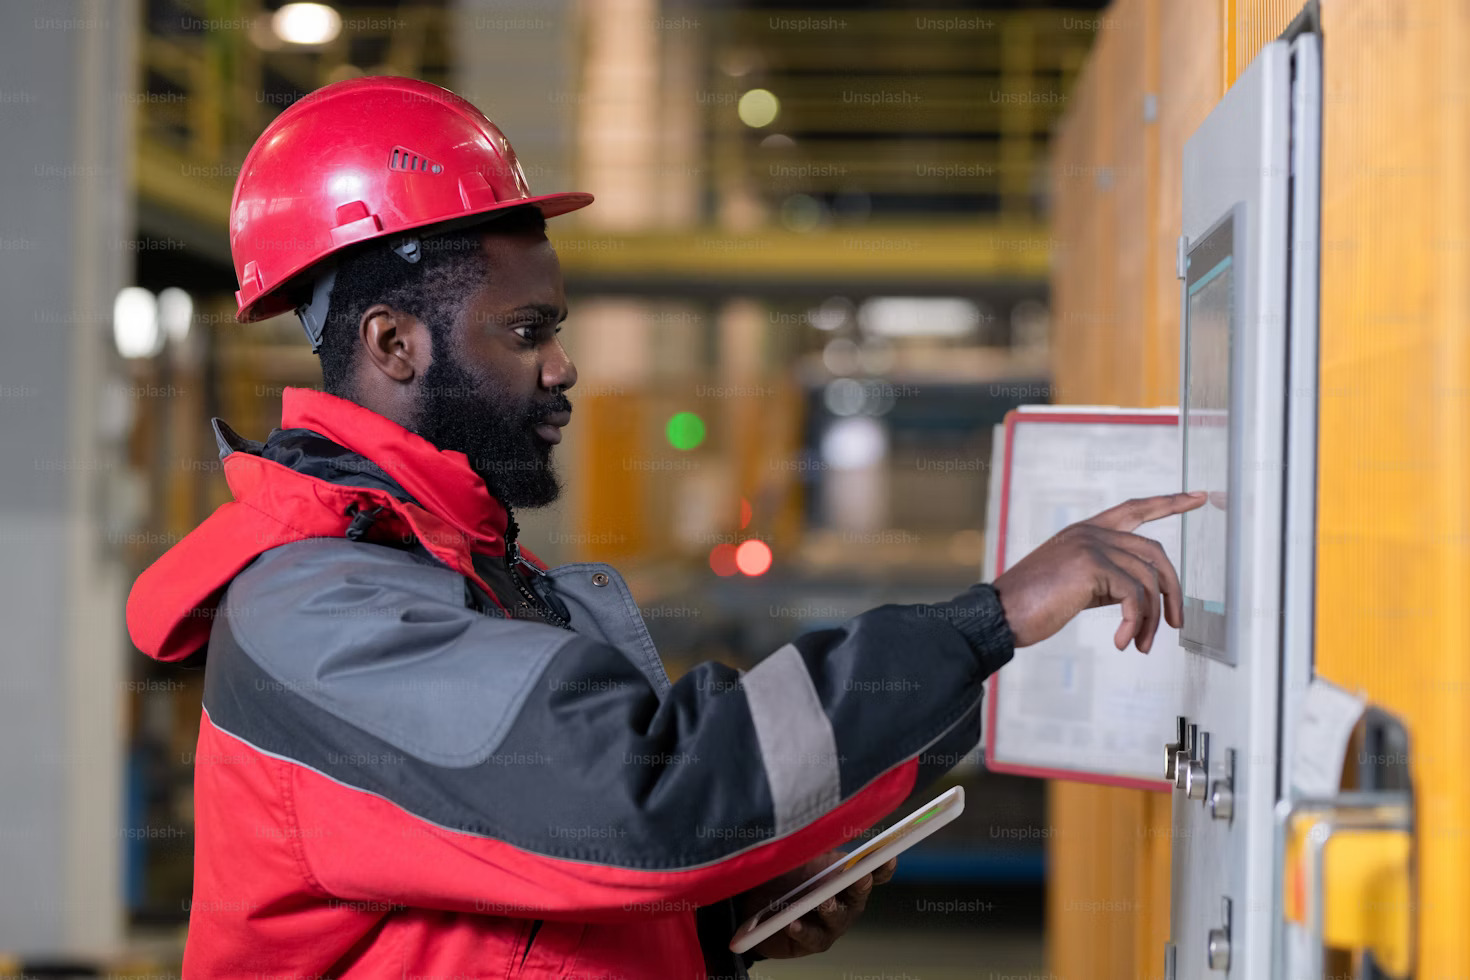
{"x": 814, "y": 278}
{"x": 823, "y": 262}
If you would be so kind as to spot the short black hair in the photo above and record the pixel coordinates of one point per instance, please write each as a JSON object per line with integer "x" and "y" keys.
{"x": 451, "y": 267}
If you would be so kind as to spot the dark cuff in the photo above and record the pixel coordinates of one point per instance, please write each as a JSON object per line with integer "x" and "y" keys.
{"x": 978, "y": 615}
{"x": 716, "y": 924}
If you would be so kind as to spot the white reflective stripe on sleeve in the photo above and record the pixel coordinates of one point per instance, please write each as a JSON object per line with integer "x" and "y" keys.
{"x": 798, "y": 748}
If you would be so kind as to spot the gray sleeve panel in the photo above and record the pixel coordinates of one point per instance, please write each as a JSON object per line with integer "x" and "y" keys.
{"x": 384, "y": 642}
{"x": 798, "y": 746}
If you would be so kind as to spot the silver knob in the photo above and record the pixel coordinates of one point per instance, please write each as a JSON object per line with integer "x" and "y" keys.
{"x": 1171, "y": 749}
{"x": 1217, "y": 943}
{"x": 1182, "y": 757}
{"x": 1194, "y": 781}
{"x": 1222, "y": 800}
{"x": 1218, "y": 953}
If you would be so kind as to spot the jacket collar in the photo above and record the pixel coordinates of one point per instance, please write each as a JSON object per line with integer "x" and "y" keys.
{"x": 439, "y": 480}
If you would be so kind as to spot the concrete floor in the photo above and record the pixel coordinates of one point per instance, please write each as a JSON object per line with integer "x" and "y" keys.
{"x": 917, "y": 954}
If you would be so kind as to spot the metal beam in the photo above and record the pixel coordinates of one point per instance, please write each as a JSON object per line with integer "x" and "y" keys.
{"x": 972, "y": 254}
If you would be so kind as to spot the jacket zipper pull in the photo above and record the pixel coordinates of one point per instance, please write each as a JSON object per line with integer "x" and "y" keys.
{"x": 361, "y": 521}
{"x": 541, "y": 585}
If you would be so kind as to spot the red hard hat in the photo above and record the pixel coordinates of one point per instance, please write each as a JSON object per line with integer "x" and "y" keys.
{"x": 358, "y": 160}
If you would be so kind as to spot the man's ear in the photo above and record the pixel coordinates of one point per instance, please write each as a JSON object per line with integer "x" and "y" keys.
{"x": 395, "y": 343}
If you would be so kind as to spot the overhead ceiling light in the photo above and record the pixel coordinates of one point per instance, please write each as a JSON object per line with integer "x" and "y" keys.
{"x": 175, "y": 310}
{"x": 840, "y": 355}
{"x": 737, "y": 63}
{"x": 135, "y": 323}
{"x": 918, "y": 316}
{"x": 802, "y": 213}
{"x": 306, "y": 23}
{"x": 758, "y": 108}
{"x": 843, "y": 396}
{"x": 854, "y": 443}
{"x": 832, "y": 314}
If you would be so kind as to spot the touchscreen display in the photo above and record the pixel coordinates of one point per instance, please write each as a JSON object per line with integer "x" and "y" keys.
{"x": 1210, "y": 313}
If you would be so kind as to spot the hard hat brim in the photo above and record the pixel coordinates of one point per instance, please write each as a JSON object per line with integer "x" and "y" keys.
{"x": 551, "y": 205}
{"x": 278, "y": 300}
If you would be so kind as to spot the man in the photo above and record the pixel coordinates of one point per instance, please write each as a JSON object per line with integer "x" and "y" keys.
{"x": 424, "y": 754}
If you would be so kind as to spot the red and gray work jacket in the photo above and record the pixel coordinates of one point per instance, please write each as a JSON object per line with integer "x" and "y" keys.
{"x": 421, "y": 758}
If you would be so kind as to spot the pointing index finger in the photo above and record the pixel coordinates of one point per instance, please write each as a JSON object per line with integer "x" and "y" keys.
{"x": 1140, "y": 510}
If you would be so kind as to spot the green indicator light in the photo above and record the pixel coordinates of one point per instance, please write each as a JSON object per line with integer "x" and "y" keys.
{"x": 685, "y": 430}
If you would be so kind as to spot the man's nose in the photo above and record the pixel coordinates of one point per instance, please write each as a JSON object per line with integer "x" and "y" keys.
{"x": 558, "y": 371}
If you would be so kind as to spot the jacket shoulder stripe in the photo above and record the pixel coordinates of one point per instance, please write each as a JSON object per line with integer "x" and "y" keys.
{"x": 798, "y": 747}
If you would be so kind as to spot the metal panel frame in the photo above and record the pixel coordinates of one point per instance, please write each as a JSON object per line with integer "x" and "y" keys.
{"x": 1300, "y": 565}
{"x": 1241, "y": 156}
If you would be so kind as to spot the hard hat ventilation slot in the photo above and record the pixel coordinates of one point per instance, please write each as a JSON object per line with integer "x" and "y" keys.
{"x": 404, "y": 159}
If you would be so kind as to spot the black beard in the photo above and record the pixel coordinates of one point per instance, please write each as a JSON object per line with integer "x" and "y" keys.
{"x": 458, "y": 412}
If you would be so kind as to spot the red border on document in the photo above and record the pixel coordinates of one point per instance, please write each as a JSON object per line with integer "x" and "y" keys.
{"x": 1160, "y": 785}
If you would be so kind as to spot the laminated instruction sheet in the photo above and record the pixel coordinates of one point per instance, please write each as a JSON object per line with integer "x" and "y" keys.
{"x": 1074, "y": 706}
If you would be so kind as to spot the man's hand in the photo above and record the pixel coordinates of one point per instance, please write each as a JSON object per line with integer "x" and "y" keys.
{"x": 1098, "y": 562}
{"x": 816, "y": 931}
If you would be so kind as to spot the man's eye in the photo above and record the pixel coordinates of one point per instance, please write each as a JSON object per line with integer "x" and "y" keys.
{"x": 525, "y": 330}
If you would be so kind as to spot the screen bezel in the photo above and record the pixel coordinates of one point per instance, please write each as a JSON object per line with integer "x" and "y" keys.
{"x": 1210, "y": 633}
